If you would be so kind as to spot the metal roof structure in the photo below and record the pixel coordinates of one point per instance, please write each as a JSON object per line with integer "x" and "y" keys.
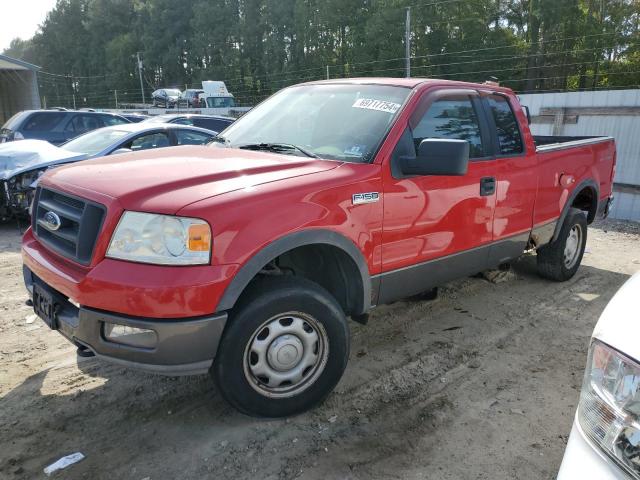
{"x": 16, "y": 64}
{"x": 18, "y": 87}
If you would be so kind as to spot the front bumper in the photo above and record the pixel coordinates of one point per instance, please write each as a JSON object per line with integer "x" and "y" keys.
{"x": 584, "y": 461}
{"x": 131, "y": 289}
{"x": 184, "y": 346}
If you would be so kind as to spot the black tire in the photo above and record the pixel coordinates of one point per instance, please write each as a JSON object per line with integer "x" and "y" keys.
{"x": 552, "y": 263}
{"x": 276, "y": 298}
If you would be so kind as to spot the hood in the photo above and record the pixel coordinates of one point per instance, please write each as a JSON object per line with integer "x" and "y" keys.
{"x": 168, "y": 179}
{"x": 618, "y": 325}
{"x": 23, "y": 155}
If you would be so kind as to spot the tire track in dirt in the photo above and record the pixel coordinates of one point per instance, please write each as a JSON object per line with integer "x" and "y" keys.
{"x": 480, "y": 383}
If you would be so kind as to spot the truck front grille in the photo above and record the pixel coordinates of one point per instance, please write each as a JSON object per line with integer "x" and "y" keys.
{"x": 78, "y": 223}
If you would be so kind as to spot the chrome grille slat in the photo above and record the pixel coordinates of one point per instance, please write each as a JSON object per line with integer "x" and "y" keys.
{"x": 64, "y": 233}
{"x": 78, "y": 226}
{"x": 62, "y": 209}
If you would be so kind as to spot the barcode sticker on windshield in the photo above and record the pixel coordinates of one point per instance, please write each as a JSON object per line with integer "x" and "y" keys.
{"x": 380, "y": 105}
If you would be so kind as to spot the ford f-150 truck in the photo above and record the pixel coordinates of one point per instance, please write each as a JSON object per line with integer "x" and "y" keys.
{"x": 244, "y": 258}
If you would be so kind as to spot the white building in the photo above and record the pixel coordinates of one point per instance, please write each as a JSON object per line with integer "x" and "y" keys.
{"x": 614, "y": 113}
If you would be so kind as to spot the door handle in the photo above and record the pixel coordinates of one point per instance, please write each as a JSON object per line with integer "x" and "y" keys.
{"x": 487, "y": 186}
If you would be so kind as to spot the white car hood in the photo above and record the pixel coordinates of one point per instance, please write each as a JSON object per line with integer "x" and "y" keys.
{"x": 23, "y": 155}
{"x": 619, "y": 324}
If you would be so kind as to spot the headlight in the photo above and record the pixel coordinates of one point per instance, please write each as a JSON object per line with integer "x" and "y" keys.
{"x": 610, "y": 405}
{"x": 161, "y": 239}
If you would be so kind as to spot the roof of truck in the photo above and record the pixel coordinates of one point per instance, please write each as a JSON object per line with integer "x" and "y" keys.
{"x": 405, "y": 82}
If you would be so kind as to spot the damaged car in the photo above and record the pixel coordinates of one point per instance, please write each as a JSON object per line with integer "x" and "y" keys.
{"x": 22, "y": 163}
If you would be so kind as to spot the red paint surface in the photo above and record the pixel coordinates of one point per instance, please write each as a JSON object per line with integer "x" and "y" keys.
{"x": 253, "y": 198}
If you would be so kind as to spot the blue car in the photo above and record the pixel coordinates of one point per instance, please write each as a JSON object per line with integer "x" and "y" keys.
{"x": 55, "y": 126}
{"x": 22, "y": 163}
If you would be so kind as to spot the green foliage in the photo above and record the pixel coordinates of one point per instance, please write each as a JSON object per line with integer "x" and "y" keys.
{"x": 87, "y": 48}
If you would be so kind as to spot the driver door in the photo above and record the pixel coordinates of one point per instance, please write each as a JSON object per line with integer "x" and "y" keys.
{"x": 437, "y": 228}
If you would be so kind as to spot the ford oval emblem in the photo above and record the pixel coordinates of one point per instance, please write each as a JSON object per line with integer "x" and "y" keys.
{"x": 52, "y": 221}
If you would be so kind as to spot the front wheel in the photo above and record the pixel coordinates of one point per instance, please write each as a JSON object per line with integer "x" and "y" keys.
{"x": 560, "y": 260}
{"x": 284, "y": 349}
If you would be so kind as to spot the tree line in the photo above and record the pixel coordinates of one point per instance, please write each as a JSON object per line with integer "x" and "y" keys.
{"x": 87, "y": 48}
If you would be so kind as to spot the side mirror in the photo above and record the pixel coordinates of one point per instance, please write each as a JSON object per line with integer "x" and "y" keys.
{"x": 438, "y": 157}
{"x": 121, "y": 150}
{"x": 527, "y": 113}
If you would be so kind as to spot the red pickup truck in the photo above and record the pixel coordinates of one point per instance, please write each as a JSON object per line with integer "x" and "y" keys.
{"x": 244, "y": 258}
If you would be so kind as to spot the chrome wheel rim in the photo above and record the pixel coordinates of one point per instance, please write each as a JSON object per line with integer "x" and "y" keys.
{"x": 286, "y": 354}
{"x": 572, "y": 246}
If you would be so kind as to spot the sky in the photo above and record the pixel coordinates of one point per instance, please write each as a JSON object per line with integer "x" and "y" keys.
{"x": 20, "y": 18}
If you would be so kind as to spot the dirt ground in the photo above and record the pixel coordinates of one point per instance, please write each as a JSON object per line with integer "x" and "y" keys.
{"x": 481, "y": 383}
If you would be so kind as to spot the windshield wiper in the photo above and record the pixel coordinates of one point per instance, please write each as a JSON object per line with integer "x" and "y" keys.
{"x": 218, "y": 139}
{"x": 278, "y": 147}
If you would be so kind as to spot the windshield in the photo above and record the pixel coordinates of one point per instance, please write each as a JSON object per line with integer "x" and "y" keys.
{"x": 95, "y": 141}
{"x": 339, "y": 122}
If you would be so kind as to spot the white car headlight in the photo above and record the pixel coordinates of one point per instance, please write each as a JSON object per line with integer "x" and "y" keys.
{"x": 609, "y": 409}
{"x": 161, "y": 239}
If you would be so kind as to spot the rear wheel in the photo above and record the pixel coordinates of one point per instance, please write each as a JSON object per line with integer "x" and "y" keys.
{"x": 561, "y": 259}
{"x": 284, "y": 349}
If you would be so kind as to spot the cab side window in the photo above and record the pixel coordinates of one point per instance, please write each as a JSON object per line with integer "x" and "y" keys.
{"x": 509, "y": 139}
{"x": 451, "y": 118}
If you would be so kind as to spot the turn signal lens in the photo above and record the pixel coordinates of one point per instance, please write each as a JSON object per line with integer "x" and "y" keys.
{"x": 161, "y": 239}
{"x": 199, "y": 238}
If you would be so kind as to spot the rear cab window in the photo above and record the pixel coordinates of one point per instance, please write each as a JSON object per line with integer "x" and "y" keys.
{"x": 509, "y": 139}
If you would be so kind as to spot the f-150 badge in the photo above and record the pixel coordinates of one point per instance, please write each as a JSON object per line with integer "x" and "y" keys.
{"x": 368, "y": 197}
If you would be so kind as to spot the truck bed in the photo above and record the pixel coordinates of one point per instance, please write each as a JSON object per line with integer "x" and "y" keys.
{"x": 545, "y": 143}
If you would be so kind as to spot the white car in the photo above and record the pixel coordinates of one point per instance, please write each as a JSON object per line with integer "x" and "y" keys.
{"x": 605, "y": 438}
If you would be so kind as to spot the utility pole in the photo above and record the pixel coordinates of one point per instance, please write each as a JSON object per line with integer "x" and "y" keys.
{"x": 407, "y": 42}
{"x": 140, "y": 74}
{"x": 327, "y": 72}
{"x": 73, "y": 92}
